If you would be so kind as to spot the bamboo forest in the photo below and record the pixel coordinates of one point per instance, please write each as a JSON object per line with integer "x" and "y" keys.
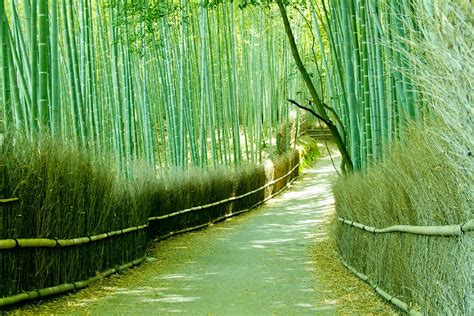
{"x": 236, "y": 157}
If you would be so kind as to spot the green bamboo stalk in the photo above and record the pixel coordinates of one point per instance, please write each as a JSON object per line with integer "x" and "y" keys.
{"x": 75, "y": 78}
{"x": 233, "y": 74}
{"x": 172, "y": 109}
{"x": 43, "y": 34}
{"x": 224, "y": 101}
{"x": 34, "y": 68}
{"x": 7, "y": 117}
{"x": 350, "y": 83}
{"x": 55, "y": 76}
{"x": 192, "y": 90}
{"x": 147, "y": 131}
{"x": 216, "y": 97}
{"x": 20, "y": 69}
{"x": 204, "y": 102}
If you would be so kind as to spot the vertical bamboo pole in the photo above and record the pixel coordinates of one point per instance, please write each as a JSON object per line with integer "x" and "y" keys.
{"x": 34, "y": 67}
{"x": 55, "y": 76}
{"x": 43, "y": 65}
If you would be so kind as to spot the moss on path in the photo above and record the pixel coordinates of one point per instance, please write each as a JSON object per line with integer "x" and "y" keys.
{"x": 262, "y": 263}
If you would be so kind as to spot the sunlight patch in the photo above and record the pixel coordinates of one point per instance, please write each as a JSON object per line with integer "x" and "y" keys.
{"x": 273, "y": 241}
{"x": 171, "y": 299}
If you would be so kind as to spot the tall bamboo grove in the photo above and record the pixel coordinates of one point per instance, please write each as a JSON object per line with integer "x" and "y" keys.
{"x": 173, "y": 83}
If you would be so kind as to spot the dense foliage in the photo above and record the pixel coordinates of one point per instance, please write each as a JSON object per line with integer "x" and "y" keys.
{"x": 172, "y": 84}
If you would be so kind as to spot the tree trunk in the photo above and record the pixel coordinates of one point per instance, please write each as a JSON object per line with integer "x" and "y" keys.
{"x": 312, "y": 90}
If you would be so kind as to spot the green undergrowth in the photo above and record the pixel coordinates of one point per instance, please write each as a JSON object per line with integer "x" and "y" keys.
{"x": 66, "y": 193}
{"x": 308, "y": 146}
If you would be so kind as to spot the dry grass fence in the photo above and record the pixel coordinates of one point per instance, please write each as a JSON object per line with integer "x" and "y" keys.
{"x": 74, "y": 220}
{"x": 406, "y": 227}
{"x": 428, "y": 179}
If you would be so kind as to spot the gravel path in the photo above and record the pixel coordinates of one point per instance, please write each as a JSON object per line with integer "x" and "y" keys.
{"x": 255, "y": 264}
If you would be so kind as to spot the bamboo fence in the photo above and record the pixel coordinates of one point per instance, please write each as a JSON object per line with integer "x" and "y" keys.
{"x": 433, "y": 231}
{"x": 7, "y": 244}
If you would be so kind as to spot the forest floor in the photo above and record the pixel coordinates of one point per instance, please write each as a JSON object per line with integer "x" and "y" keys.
{"x": 279, "y": 259}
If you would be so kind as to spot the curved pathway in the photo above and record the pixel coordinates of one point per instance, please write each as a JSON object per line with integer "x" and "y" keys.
{"x": 255, "y": 264}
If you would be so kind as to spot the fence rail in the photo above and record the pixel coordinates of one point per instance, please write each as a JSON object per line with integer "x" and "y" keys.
{"x": 319, "y": 133}
{"x": 392, "y": 299}
{"x": 52, "y": 243}
{"x": 447, "y": 230}
{"x": 230, "y": 199}
{"x": 64, "y": 288}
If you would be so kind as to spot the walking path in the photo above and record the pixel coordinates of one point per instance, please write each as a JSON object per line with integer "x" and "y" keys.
{"x": 255, "y": 264}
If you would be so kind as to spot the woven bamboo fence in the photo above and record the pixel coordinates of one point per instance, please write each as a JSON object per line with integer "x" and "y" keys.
{"x": 446, "y": 231}
{"x": 19, "y": 256}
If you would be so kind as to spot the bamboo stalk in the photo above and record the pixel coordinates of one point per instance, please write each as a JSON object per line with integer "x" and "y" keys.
{"x": 33, "y": 84}
{"x": 55, "y": 77}
{"x": 43, "y": 71}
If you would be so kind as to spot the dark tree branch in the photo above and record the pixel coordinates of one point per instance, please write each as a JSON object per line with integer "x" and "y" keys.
{"x": 326, "y": 121}
{"x": 330, "y": 109}
{"x": 339, "y": 141}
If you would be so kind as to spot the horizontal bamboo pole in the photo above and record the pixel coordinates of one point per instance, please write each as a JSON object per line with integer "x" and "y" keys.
{"x": 230, "y": 199}
{"x": 10, "y": 200}
{"x": 392, "y": 299}
{"x": 51, "y": 243}
{"x": 448, "y": 230}
{"x": 63, "y": 288}
{"x": 182, "y": 231}
{"x": 468, "y": 227}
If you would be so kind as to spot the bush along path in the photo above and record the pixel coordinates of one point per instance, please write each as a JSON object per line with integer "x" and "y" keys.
{"x": 256, "y": 264}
